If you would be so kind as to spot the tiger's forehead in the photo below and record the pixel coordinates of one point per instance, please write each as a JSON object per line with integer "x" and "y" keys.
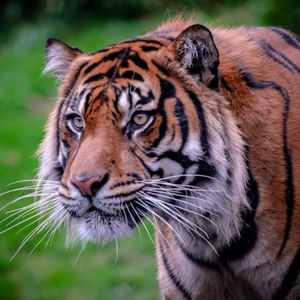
{"x": 126, "y": 60}
{"x": 119, "y": 73}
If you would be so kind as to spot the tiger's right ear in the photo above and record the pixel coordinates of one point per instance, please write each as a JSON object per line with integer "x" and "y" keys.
{"x": 59, "y": 57}
{"x": 196, "y": 51}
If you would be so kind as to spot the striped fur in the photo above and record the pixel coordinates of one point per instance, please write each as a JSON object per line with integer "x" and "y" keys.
{"x": 199, "y": 128}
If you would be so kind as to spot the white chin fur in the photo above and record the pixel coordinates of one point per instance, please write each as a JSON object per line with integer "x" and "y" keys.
{"x": 98, "y": 229}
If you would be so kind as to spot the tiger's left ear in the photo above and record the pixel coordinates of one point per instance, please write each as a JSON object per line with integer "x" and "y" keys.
{"x": 59, "y": 57}
{"x": 198, "y": 54}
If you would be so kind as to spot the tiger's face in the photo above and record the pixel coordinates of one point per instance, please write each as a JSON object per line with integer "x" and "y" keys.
{"x": 129, "y": 133}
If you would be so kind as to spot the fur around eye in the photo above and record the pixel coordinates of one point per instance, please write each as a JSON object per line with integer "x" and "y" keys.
{"x": 77, "y": 122}
{"x": 140, "y": 118}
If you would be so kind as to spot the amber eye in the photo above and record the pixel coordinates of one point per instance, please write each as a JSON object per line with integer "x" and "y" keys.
{"x": 78, "y": 122}
{"x": 140, "y": 118}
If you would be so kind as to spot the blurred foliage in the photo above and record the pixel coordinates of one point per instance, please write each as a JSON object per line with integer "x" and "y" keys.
{"x": 268, "y": 12}
{"x": 283, "y": 13}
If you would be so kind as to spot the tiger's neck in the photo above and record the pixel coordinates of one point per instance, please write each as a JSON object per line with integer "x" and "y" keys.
{"x": 192, "y": 267}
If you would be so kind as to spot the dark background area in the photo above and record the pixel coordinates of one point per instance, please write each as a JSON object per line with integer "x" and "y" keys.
{"x": 276, "y": 12}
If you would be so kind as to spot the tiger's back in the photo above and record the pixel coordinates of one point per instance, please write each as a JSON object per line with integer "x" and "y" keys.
{"x": 260, "y": 76}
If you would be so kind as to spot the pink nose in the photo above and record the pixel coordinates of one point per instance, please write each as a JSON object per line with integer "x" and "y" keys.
{"x": 89, "y": 187}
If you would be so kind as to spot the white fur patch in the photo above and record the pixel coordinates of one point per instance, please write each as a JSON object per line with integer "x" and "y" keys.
{"x": 58, "y": 60}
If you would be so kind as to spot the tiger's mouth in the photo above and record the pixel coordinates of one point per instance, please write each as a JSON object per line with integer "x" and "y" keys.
{"x": 132, "y": 216}
{"x": 101, "y": 225}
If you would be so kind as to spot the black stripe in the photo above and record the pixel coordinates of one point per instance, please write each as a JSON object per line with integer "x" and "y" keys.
{"x": 161, "y": 69}
{"x": 146, "y": 41}
{"x": 87, "y": 99}
{"x": 289, "y": 279}
{"x": 183, "y": 122}
{"x": 96, "y": 77}
{"x": 135, "y": 176}
{"x": 122, "y": 183}
{"x": 205, "y": 169}
{"x": 63, "y": 185}
{"x": 101, "y": 50}
{"x": 115, "y": 55}
{"x": 65, "y": 197}
{"x": 74, "y": 79}
{"x": 296, "y": 37}
{"x": 132, "y": 75}
{"x": 199, "y": 110}
{"x": 268, "y": 49}
{"x": 178, "y": 157}
{"x": 289, "y": 191}
{"x": 149, "y": 48}
{"x": 111, "y": 73}
{"x": 225, "y": 84}
{"x": 65, "y": 143}
{"x": 149, "y": 171}
{"x": 200, "y": 262}
{"x": 120, "y": 195}
{"x": 135, "y": 58}
{"x": 284, "y": 34}
{"x": 167, "y": 91}
{"x": 92, "y": 67}
{"x": 58, "y": 128}
{"x": 244, "y": 242}
{"x": 144, "y": 100}
{"x": 117, "y": 93}
{"x": 109, "y": 57}
{"x": 172, "y": 276}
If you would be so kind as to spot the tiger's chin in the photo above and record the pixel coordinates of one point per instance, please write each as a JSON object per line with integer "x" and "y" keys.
{"x": 100, "y": 227}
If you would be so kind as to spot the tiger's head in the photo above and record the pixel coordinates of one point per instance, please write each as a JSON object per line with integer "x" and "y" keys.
{"x": 140, "y": 128}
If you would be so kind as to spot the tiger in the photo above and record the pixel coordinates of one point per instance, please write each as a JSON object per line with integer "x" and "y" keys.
{"x": 195, "y": 128}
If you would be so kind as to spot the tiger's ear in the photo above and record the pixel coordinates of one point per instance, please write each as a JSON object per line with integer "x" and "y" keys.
{"x": 59, "y": 57}
{"x": 197, "y": 52}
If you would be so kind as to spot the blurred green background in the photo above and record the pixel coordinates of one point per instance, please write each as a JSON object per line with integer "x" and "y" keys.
{"x": 26, "y": 97}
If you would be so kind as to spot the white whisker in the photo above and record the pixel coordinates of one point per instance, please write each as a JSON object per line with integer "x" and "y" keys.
{"x": 174, "y": 196}
{"x": 137, "y": 225}
{"x": 23, "y": 221}
{"x": 175, "y": 214}
{"x": 144, "y": 225}
{"x": 25, "y": 210}
{"x": 171, "y": 205}
{"x": 58, "y": 225}
{"x": 147, "y": 207}
{"x": 33, "y": 180}
{"x": 56, "y": 215}
{"x": 31, "y": 195}
{"x": 117, "y": 251}
{"x": 33, "y": 233}
{"x": 48, "y": 212}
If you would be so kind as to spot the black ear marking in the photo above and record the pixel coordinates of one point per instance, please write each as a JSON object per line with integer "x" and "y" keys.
{"x": 198, "y": 54}
{"x": 59, "y": 57}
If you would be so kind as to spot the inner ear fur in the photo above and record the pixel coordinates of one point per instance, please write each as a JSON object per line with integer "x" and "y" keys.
{"x": 59, "y": 57}
{"x": 198, "y": 54}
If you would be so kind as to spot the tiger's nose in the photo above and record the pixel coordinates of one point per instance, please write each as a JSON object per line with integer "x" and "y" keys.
{"x": 91, "y": 185}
